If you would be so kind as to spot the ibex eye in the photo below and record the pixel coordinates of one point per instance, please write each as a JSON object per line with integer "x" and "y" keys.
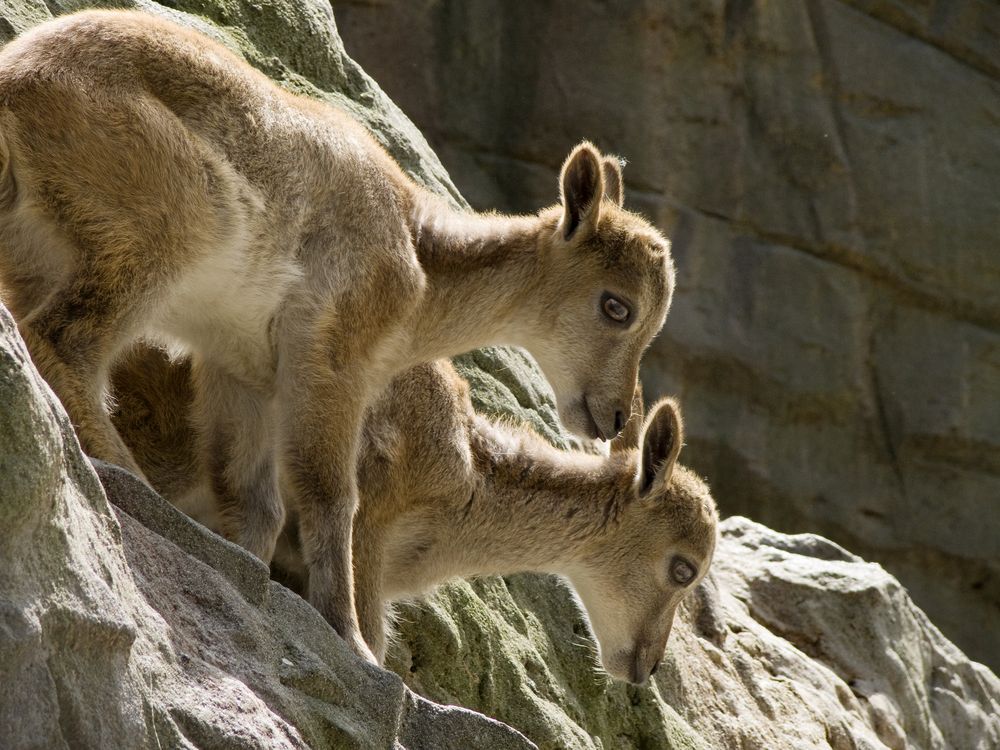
{"x": 615, "y": 309}
{"x": 682, "y": 571}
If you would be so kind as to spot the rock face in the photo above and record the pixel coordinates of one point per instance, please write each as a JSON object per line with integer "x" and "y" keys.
{"x": 820, "y": 649}
{"x": 829, "y": 175}
{"x": 129, "y": 625}
{"x": 124, "y": 624}
{"x": 132, "y": 626}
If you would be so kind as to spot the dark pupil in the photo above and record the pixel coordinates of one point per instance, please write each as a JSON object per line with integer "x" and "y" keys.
{"x": 682, "y": 572}
{"x": 615, "y": 309}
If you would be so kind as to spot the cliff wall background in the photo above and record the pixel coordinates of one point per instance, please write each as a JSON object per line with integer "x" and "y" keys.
{"x": 829, "y": 172}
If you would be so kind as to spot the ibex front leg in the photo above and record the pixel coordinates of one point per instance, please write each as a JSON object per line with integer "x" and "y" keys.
{"x": 322, "y": 424}
{"x": 369, "y": 561}
{"x": 341, "y": 342}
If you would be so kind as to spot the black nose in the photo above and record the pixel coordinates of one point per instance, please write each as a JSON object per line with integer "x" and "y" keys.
{"x": 656, "y": 665}
{"x": 619, "y": 421}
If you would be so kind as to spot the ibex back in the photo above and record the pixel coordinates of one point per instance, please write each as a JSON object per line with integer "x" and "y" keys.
{"x": 153, "y": 185}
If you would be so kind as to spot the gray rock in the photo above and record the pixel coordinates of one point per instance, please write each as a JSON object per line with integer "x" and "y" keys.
{"x": 829, "y": 175}
{"x": 246, "y": 572}
{"x": 133, "y": 626}
{"x": 823, "y": 653}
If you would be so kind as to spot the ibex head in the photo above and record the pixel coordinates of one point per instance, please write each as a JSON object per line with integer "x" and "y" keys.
{"x": 655, "y": 550}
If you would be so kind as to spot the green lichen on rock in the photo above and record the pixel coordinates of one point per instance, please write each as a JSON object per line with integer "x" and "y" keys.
{"x": 506, "y": 384}
{"x": 517, "y": 649}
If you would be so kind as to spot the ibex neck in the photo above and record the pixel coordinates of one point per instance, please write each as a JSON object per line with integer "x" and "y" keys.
{"x": 537, "y": 508}
{"x": 484, "y": 276}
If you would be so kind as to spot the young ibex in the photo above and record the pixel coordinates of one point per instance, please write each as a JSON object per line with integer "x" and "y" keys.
{"x": 446, "y": 493}
{"x": 153, "y": 185}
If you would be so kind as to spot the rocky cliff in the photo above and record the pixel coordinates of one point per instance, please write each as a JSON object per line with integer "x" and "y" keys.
{"x": 124, "y": 624}
{"x": 829, "y": 173}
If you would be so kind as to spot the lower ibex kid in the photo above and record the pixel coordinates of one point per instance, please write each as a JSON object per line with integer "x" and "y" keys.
{"x": 153, "y": 185}
{"x": 446, "y": 492}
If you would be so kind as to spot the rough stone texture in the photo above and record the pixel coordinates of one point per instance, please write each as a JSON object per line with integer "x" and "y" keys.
{"x": 136, "y": 627}
{"x": 822, "y": 649}
{"x": 829, "y": 174}
{"x": 517, "y": 649}
{"x": 133, "y": 626}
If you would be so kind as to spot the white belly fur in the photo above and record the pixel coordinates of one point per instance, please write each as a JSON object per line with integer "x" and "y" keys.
{"x": 223, "y": 306}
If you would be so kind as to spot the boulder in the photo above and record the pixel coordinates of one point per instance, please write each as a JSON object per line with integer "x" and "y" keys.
{"x": 828, "y": 173}
{"x": 129, "y": 625}
{"x": 821, "y": 649}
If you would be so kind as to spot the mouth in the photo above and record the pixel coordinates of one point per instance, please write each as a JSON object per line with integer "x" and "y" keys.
{"x": 633, "y": 666}
{"x": 642, "y": 674}
{"x": 625, "y": 667}
{"x": 593, "y": 430}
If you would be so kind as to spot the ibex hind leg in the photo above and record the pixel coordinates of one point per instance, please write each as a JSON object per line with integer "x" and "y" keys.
{"x": 369, "y": 561}
{"x": 236, "y": 431}
{"x": 73, "y": 337}
{"x": 112, "y": 214}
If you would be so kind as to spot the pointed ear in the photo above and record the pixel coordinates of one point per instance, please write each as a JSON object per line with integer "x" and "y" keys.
{"x": 581, "y": 186}
{"x": 614, "y": 183}
{"x": 662, "y": 438}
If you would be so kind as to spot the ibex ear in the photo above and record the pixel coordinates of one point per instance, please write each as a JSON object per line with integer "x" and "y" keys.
{"x": 614, "y": 183}
{"x": 581, "y": 187}
{"x": 662, "y": 438}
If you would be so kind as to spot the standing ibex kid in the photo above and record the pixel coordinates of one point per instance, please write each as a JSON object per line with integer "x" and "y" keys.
{"x": 153, "y": 185}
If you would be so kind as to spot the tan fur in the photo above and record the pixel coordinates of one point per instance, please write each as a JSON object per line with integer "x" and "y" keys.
{"x": 448, "y": 493}
{"x": 153, "y": 185}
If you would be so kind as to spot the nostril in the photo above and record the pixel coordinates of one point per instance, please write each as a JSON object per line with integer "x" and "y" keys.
{"x": 656, "y": 665}
{"x": 619, "y": 421}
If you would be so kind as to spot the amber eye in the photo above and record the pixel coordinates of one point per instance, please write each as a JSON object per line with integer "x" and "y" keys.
{"x": 615, "y": 309}
{"x": 682, "y": 571}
